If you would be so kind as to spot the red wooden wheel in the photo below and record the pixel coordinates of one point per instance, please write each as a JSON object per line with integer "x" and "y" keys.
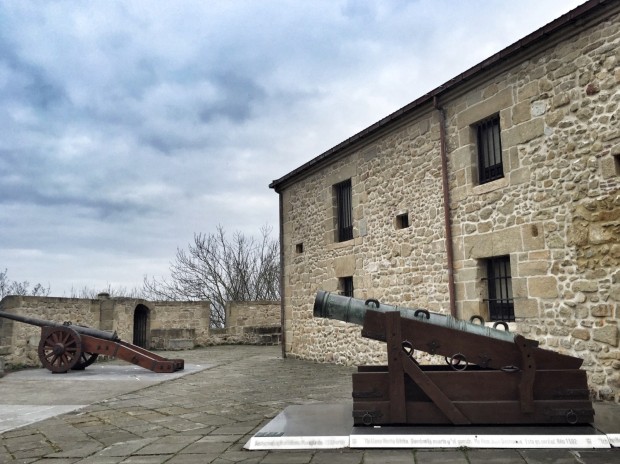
{"x": 86, "y": 359}
{"x": 60, "y": 348}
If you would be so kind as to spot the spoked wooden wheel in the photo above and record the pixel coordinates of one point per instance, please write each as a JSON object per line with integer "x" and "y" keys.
{"x": 86, "y": 359}
{"x": 60, "y": 348}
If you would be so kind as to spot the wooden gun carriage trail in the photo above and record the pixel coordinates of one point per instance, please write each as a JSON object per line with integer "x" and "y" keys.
{"x": 68, "y": 346}
{"x": 491, "y": 376}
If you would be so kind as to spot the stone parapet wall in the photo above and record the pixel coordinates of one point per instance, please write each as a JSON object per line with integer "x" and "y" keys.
{"x": 19, "y": 341}
{"x": 555, "y": 213}
{"x": 243, "y": 314}
{"x": 248, "y": 336}
{"x": 192, "y": 317}
{"x": 173, "y": 339}
{"x": 170, "y": 325}
{"x": 250, "y": 323}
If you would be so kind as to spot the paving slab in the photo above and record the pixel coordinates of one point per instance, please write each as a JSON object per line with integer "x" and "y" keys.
{"x": 494, "y": 456}
{"x": 31, "y": 395}
{"x": 208, "y": 416}
{"x": 441, "y": 457}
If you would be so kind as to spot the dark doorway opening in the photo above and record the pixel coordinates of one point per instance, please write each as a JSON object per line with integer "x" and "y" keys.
{"x": 140, "y": 323}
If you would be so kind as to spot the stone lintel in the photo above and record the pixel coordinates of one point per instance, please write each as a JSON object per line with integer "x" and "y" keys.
{"x": 502, "y": 99}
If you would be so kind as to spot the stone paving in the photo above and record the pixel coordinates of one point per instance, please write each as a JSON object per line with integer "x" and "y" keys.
{"x": 208, "y": 416}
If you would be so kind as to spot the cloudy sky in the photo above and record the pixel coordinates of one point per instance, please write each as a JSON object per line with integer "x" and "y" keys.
{"x": 128, "y": 126}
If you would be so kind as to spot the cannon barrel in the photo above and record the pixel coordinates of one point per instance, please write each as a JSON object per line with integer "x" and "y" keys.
{"x": 112, "y": 336}
{"x": 343, "y": 308}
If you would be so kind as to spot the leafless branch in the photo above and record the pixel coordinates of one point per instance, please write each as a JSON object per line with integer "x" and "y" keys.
{"x": 220, "y": 270}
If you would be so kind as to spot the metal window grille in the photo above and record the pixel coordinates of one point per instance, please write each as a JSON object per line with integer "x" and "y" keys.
{"x": 344, "y": 210}
{"x": 489, "y": 150}
{"x": 346, "y": 285}
{"x": 501, "y": 303}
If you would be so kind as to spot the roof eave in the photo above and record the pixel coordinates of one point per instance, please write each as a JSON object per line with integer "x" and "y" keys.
{"x": 530, "y": 40}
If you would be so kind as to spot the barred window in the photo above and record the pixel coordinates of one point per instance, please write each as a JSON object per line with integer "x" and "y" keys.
{"x": 501, "y": 303}
{"x": 344, "y": 211}
{"x": 490, "y": 166}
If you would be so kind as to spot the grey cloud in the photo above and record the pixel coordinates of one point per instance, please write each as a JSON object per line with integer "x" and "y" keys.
{"x": 128, "y": 126}
{"x": 56, "y": 197}
{"x": 50, "y": 183}
{"x": 28, "y": 82}
{"x": 237, "y": 98}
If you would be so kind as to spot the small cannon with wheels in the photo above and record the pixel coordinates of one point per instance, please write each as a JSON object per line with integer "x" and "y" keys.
{"x": 492, "y": 376}
{"x": 68, "y": 346}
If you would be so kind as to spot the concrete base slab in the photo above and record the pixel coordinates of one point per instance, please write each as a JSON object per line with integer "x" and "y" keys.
{"x": 18, "y": 415}
{"x": 51, "y": 394}
{"x": 104, "y": 371}
{"x": 315, "y": 426}
{"x": 324, "y": 426}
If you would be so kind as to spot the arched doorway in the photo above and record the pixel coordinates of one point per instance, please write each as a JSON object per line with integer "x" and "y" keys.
{"x": 140, "y": 326}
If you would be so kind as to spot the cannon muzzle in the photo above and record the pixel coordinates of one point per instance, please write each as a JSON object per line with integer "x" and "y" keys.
{"x": 343, "y": 308}
{"x": 112, "y": 336}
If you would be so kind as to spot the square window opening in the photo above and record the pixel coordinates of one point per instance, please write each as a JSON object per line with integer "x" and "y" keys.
{"x": 402, "y": 221}
{"x": 345, "y": 285}
{"x": 499, "y": 284}
{"x": 299, "y": 248}
{"x": 344, "y": 211}
{"x": 488, "y": 138}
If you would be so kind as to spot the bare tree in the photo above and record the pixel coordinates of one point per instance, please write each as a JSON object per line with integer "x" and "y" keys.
{"x": 114, "y": 292}
{"x": 12, "y": 287}
{"x": 220, "y": 270}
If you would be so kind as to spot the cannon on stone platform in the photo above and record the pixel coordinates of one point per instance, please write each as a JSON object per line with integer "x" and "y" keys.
{"x": 491, "y": 376}
{"x": 68, "y": 346}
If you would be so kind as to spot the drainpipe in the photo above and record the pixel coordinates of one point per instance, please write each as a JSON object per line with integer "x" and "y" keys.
{"x": 282, "y": 312}
{"x": 446, "y": 203}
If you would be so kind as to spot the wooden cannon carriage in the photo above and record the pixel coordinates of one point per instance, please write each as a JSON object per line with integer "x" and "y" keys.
{"x": 67, "y": 346}
{"x": 491, "y": 376}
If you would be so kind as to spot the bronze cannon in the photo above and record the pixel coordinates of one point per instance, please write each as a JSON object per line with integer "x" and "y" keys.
{"x": 65, "y": 346}
{"x": 491, "y": 376}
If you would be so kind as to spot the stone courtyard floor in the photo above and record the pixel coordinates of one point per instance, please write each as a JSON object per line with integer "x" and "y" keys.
{"x": 207, "y": 417}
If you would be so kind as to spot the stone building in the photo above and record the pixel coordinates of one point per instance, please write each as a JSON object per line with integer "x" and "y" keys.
{"x": 496, "y": 194}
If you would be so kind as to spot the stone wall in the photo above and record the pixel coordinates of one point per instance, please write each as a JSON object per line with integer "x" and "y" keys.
{"x": 240, "y": 314}
{"x": 166, "y": 322}
{"x": 250, "y": 322}
{"x": 555, "y": 212}
{"x": 19, "y": 342}
{"x": 180, "y": 324}
{"x": 386, "y": 263}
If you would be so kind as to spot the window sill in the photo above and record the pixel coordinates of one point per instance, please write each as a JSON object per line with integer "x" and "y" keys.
{"x": 490, "y": 186}
{"x": 346, "y": 244}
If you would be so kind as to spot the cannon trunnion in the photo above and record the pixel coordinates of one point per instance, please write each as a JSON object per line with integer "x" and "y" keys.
{"x": 491, "y": 376}
{"x": 67, "y": 346}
